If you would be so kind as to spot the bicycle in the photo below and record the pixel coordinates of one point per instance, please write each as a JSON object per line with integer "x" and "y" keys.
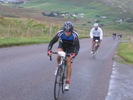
{"x": 114, "y": 37}
{"x": 60, "y": 74}
{"x": 96, "y": 45}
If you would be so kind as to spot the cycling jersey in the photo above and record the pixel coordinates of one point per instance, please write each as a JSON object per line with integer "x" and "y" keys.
{"x": 96, "y": 33}
{"x": 114, "y": 34}
{"x": 71, "y": 43}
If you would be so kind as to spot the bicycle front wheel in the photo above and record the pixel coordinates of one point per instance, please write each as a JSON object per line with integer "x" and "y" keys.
{"x": 58, "y": 83}
{"x": 63, "y": 81}
{"x": 93, "y": 55}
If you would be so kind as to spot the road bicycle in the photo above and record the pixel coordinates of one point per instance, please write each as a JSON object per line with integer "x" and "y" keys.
{"x": 60, "y": 74}
{"x": 96, "y": 45}
{"x": 114, "y": 37}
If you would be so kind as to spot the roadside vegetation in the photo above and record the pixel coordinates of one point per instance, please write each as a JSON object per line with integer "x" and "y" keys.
{"x": 125, "y": 51}
{"x": 17, "y": 41}
{"x": 18, "y": 31}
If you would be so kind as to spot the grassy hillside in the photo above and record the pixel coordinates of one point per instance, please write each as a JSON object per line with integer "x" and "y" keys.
{"x": 93, "y": 10}
{"x": 23, "y": 27}
{"x": 101, "y": 6}
{"x": 21, "y": 31}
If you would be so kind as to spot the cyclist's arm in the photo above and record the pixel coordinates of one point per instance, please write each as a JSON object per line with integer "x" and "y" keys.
{"x": 53, "y": 41}
{"x": 91, "y": 33}
{"x": 77, "y": 45}
{"x": 101, "y": 34}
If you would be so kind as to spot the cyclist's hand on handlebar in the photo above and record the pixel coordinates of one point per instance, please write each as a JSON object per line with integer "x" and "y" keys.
{"x": 49, "y": 53}
{"x": 73, "y": 55}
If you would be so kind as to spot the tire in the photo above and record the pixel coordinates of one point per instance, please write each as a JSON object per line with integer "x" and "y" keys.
{"x": 63, "y": 80}
{"x": 94, "y": 55}
{"x": 58, "y": 83}
{"x": 93, "y": 52}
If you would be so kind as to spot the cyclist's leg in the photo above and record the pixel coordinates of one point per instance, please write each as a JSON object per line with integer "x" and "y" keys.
{"x": 68, "y": 73}
{"x": 98, "y": 38}
{"x": 58, "y": 57}
{"x": 98, "y": 45}
{"x": 60, "y": 48}
{"x": 69, "y": 69}
{"x": 93, "y": 42}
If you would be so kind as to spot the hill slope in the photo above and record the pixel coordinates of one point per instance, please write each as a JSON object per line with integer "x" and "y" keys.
{"x": 101, "y": 6}
{"x": 106, "y": 12}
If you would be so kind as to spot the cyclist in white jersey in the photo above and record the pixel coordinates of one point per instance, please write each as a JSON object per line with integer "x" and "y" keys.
{"x": 96, "y": 33}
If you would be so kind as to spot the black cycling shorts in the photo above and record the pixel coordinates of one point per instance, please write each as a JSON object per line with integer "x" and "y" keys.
{"x": 96, "y": 38}
{"x": 66, "y": 48}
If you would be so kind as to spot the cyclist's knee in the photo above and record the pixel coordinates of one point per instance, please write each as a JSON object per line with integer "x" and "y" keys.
{"x": 58, "y": 58}
{"x": 60, "y": 49}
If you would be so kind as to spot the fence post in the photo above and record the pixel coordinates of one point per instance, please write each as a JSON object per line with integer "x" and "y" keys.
{"x": 28, "y": 32}
{"x": 18, "y": 30}
{"x": 9, "y": 31}
{"x": 42, "y": 31}
{"x": 50, "y": 30}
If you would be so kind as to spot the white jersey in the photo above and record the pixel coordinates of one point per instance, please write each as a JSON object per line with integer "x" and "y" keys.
{"x": 96, "y": 33}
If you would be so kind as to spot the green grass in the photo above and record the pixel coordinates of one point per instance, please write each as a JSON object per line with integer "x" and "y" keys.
{"x": 6, "y": 42}
{"x": 125, "y": 51}
{"x": 18, "y": 31}
{"x": 90, "y": 9}
{"x": 19, "y": 27}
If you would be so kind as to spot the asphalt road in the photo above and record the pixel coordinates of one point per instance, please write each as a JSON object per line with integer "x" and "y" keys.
{"x": 121, "y": 83}
{"x": 27, "y": 74}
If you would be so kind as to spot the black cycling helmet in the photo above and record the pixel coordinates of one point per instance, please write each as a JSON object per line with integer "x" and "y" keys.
{"x": 68, "y": 26}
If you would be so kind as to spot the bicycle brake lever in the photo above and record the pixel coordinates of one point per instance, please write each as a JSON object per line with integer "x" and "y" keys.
{"x": 50, "y": 58}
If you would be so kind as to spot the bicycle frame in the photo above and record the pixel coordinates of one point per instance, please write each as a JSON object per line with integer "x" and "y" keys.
{"x": 114, "y": 37}
{"x": 95, "y": 48}
{"x": 60, "y": 75}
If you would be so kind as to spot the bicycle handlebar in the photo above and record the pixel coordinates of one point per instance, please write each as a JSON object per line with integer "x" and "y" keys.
{"x": 51, "y": 56}
{"x": 67, "y": 54}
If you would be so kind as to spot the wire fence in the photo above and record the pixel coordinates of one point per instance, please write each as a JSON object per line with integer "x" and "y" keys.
{"x": 11, "y": 31}
{"x": 19, "y": 31}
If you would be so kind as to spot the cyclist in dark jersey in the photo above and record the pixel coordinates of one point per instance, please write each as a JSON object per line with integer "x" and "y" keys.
{"x": 68, "y": 42}
{"x": 114, "y": 36}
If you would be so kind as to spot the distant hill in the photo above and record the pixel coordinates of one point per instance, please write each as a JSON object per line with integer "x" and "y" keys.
{"x": 115, "y": 8}
{"x": 105, "y": 12}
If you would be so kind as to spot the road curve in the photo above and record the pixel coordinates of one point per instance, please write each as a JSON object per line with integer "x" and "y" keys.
{"x": 27, "y": 74}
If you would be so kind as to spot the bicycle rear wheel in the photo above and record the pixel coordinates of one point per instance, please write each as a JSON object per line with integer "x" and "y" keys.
{"x": 93, "y": 55}
{"x": 95, "y": 51}
{"x": 58, "y": 83}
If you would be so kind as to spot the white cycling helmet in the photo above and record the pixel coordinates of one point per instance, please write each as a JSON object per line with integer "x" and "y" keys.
{"x": 96, "y": 24}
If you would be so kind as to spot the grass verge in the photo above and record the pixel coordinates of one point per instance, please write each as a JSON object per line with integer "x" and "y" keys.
{"x": 125, "y": 51}
{"x": 18, "y": 41}
{"x": 7, "y": 42}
